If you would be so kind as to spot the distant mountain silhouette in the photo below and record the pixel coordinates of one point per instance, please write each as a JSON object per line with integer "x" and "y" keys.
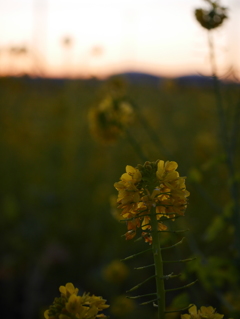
{"x": 194, "y": 80}
{"x": 140, "y": 78}
{"x": 150, "y": 79}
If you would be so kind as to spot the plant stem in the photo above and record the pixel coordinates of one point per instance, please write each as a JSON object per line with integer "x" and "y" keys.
{"x": 137, "y": 148}
{"x": 221, "y": 115}
{"x": 158, "y": 264}
{"x": 154, "y": 137}
{"x": 229, "y": 151}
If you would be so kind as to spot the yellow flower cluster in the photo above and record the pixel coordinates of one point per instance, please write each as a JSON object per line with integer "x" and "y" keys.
{"x": 115, "y": 272}
{"x": 70, "y": 305}
{"x": 155, "y": 184}
{"x": 109, "y": 119}
{"x": 212, "y": 18}
{"x": 202, "y": 313}
{"x": 122, "y": 307}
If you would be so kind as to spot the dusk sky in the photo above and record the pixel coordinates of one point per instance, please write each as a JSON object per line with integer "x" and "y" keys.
{"x": 113, "y": 36}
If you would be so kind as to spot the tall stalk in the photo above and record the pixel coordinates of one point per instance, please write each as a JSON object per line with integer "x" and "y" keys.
{"x": 228, "y": 150}
{"x": 158, "y": 262}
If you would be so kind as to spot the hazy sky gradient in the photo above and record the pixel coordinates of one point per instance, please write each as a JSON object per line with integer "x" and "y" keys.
{"x": 155, "y": 36}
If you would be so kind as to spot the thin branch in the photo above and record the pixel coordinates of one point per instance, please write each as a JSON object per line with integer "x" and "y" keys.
{"x": 150, "y": 301}
{"x": 137, "y": 254}
{"x": 143, "y": 267}
{"x": 186, "y": 286}
{"x": 178, "y": 243}
{"x": 179, "y": 310}
{"x": 140, "y": 296}
{"x": 140, "y": 284}
{"x": 179, "y": 261}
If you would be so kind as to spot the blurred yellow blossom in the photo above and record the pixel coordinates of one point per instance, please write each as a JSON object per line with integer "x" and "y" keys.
{"x": 115, "y": 272}
{"x": 212, "y": 18}
{"x": 156, "y": 184}
{"x": 108, "y": 119}
{"x": 122, "y": 306}
{"x": 233, "y": 297}
{"x": 169, "y": 85}
{"x": 202, "y": 313}
{"x": 70, "y": 305}
{"x": 195, "y": 175}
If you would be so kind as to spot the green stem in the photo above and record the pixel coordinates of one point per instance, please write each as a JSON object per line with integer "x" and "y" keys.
{"x": 158, "y": 264}
{"x": 234, "y": 187}
{"x": 151, "y": 132}
{"x": 218, "y": 97}
{"x": 137, "y": 148}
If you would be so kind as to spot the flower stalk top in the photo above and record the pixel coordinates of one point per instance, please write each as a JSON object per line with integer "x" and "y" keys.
{"x": 154, "y": 184}
{"x": 212, "y": 18}
{"x": 70, "y": 305}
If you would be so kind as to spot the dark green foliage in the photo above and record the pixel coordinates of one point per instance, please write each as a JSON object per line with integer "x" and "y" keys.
{"x": 56, "y": 182}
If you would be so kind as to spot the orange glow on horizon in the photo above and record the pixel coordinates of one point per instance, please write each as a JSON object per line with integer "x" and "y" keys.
{"x": 107, "y": 38}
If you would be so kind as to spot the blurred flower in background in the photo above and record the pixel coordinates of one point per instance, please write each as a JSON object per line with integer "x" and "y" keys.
{"x": 115, "y": 272}
{"x": 212, "y": 18}
{"x": 109, "y": 119}
{"x": 122, "y": 306}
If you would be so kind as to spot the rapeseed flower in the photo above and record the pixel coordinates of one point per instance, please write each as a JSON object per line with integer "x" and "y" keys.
{"x": 70, "y": 305}
{"x": 109, "y": 119}
{"x": 68, "y": 290}
{"x": 154, "y": 184}
{"x": 212, "y": 18}
{"x": 202, "y": 313}
{"x": 115, "y": 272}
{"x": 122, "y": 306}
